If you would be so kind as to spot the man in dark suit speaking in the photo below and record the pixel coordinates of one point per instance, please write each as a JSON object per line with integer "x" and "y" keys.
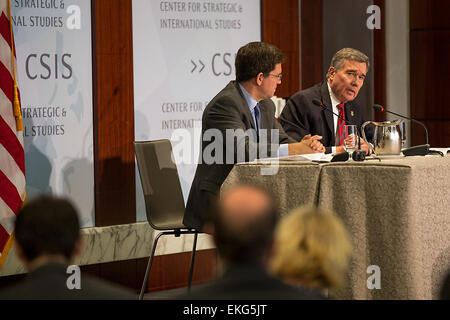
{"x": 345, "y": 77}
{"x": 239, "y": 125}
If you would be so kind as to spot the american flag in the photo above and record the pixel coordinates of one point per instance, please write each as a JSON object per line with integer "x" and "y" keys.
{"x": 12, "y": 159}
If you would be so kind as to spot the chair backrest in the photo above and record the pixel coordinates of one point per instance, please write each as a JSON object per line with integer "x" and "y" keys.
{"x": 163, "y": 197}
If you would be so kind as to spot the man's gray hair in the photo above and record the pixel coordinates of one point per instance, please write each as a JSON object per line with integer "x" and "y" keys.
{"x": 347, "y": 54}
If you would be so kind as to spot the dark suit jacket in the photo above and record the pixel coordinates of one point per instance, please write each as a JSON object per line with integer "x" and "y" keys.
{"x": 250, "y": 282}
{"x": 227, "y": 110}
{"x": 445, "y": 289}
{"x": 301, "y": 117}
{"x": 49, "y": 282}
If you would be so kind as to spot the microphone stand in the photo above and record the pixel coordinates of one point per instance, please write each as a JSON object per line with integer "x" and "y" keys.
{"x": 359, "y": 155}
{"x": 420, "y": 150}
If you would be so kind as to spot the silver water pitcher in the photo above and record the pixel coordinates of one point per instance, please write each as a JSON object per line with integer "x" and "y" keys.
{"x": 387, "y": 137}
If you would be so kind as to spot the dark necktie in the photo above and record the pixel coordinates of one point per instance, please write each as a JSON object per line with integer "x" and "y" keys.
{"x": 340, "y": 124}
{"x": 258, "y": 119}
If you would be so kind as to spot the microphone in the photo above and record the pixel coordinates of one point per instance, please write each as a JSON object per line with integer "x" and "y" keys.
{"x": 341, "y": 157}
{"x": 319, "y": 104}
{"x": 420, "y": 150}
{"x": 357, "y": 155}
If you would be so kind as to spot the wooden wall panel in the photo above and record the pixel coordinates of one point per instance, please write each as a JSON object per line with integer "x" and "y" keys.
{"x": 168, "y": 271}
{"x": 311, "y": 47}
{"x": 430, "y": 74}
{"x": 439, "y": 133}
{"x": 280, "y": 27}
{"x": 113, "y": 95}
{"x": 113, "y": 112}
{"x": 379, "y": 67}
{"x": 429, "y": 14}
{"x": 430, "y": 70}
{"x": 172, "y": 271}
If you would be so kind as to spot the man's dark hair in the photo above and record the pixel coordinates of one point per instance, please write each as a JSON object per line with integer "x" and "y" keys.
{"x": 249, "y": 241}
{"x": 47, "y": 225}
{"x": 256, "y": 57}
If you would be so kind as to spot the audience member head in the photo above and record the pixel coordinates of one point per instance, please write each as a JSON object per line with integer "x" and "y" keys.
{"x": 311, "y": 248}
{"x": 255, "y": 58}
{"x": 47, "y": 228}
{"x": 243, "y": 224}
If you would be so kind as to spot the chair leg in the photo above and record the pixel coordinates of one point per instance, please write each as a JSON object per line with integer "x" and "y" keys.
{"x": 191, "y": 271}
{"x": 149, "y": 265}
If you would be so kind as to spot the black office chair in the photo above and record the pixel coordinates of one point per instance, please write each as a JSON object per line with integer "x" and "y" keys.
{"x": 164, "y": 204}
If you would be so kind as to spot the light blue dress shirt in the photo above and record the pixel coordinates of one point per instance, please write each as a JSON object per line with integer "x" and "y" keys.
{"x": 283, "y": 150}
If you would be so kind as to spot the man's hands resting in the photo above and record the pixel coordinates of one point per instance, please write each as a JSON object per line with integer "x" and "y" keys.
{"x": 309, "y": 144}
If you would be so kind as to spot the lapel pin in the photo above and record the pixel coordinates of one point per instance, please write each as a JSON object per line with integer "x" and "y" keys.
{"x": 352, "y": 113}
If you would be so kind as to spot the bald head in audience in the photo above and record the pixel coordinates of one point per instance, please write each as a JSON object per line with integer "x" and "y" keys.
{"x": 244, "y": 223}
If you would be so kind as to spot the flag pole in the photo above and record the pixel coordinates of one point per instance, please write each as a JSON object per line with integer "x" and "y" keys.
{"x": 16, "y": 101}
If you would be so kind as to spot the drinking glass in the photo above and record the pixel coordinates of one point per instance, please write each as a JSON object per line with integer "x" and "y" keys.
{"x": 350, "y": 138}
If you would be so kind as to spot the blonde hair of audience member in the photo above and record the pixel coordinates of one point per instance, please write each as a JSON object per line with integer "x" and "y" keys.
{"x": 311, "y": 248}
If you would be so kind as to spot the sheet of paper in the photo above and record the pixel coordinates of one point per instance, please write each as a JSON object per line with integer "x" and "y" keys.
{"x": 305, "y": 157}
{"x": 319, "y": 157}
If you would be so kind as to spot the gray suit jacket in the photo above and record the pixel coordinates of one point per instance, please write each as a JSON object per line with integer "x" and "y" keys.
{"x": 227, "y": 110}
{"x": 301, "y": 117}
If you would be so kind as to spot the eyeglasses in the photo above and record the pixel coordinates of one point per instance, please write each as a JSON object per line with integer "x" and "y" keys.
{"x": 279, "y": 76}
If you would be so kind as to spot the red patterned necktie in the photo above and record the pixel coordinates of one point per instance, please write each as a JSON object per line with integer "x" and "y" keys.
{"x": 341, "y": 123}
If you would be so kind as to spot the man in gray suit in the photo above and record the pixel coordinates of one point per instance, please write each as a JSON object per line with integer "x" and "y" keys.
{"x": 239, "y": 125}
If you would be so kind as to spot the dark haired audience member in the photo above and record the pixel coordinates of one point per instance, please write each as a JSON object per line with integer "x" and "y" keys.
{"x": 47, "y": 233}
